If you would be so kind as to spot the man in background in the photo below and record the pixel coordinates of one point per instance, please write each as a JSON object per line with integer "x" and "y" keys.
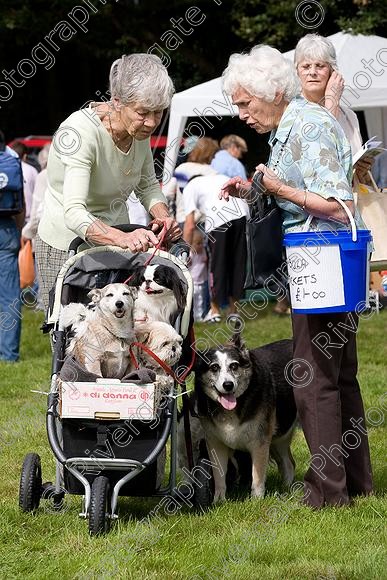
{"x": 227, "y": 160}
{"x": 10, "y": 303}
{"x": 29, "y": 175}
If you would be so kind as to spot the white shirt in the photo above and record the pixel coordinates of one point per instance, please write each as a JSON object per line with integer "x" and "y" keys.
{"x": 350, "y": 125}
{"x": 137, "y": 212}
{"x": 183, "y": 173}
{"x": 31, "y": 228}
{"x": 29, "y": 177}
{"x": 202, "y": 194}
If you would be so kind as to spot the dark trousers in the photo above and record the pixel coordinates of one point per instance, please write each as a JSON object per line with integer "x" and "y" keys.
{"x": 330, "y": 407}
{"x": 228, "y": 250}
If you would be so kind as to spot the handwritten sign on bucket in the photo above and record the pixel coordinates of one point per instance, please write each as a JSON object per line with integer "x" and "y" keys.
{"x": 315, "y": 283}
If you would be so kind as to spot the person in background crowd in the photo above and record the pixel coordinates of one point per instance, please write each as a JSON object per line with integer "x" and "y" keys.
{"x": 89, "y": 183}
{"x": 198, "y": 163}
{"x": 225, "y": 227}
{"x": 30, "y": 229}
{"x": 10, "y": 303}
{"x": 29, "y": 175}
{"x": 199, "y": 272}
{"x": 265, "y": 88}
{"x": 316, "y": 63}
{"x": 379, "y": 170}
{"x": 227, "y": 160}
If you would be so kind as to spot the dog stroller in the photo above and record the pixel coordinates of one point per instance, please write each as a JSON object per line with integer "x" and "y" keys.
{"x": 109, "y": 453}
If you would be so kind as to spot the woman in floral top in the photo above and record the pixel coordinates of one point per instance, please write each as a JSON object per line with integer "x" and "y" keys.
{"x": 313, "y": 166}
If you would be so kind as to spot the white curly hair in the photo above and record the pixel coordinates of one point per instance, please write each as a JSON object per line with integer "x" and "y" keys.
{"x": 263, "y": 72}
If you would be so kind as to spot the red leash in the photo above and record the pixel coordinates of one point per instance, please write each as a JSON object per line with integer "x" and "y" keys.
{"x": 158, "y": 246}
{"x": 163, "y": 364}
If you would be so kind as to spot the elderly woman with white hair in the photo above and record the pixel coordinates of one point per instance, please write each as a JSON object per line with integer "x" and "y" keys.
{"x": 99, "y": 155}
{"x": 310, "y": 165}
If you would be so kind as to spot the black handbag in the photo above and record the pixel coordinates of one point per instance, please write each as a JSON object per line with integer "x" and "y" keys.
{"x": 264, "y": 240}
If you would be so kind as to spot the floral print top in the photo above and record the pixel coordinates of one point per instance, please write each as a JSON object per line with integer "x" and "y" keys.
{"x": 310, "y": 151}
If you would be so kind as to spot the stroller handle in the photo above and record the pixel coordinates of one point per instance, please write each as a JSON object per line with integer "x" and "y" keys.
{"x": 180, "y": 248}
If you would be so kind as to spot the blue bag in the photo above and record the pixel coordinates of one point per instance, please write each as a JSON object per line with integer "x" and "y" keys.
{"x": 11, "y": 185}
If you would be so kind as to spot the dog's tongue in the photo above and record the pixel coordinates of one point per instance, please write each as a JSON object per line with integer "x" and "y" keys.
{"x": 228, "y": 402}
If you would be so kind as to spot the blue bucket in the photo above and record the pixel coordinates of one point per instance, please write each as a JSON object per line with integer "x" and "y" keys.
{"x": 328, "y": 270}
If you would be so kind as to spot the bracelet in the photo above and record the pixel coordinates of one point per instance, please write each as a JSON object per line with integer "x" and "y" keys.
{"x": 279, "y": 189}
{"x": 304, "y": 201}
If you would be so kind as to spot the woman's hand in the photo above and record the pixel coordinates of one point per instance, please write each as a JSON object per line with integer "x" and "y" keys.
{"x": 236, "y": 187}
{"x": 333, "y": 92}
{"x": 269, "y": 180}
{"x": 138, "y": 241}
{"x": 172, "y": 233}
{"x": 362, "y": 168}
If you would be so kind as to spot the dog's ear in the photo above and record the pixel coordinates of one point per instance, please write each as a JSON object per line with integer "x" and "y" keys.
{"x": 95, "y": 295}
{"x": 136, "y": 276}
{"x": 142, "y": 335}
{"x": 236, "y": 324}
{"x": 179, "y": 292}
{"x": 238, "y": 342}
{"x": 133, "y": 292}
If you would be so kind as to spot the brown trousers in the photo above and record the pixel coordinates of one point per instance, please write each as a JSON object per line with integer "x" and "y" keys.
{"x": 330, "y": 408}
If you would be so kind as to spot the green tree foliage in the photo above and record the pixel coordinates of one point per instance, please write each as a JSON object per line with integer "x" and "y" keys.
{"x": 82, "y": 60}
{"x": 281, "y": 23}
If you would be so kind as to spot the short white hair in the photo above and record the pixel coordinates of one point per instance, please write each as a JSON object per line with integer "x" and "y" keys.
{"x": 142, "y": 78}
{"x": 315, "y": 47}
{"x": 263, "y": 72}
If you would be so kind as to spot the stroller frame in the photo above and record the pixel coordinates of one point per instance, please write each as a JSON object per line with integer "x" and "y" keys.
{"x": 131, "y": 467}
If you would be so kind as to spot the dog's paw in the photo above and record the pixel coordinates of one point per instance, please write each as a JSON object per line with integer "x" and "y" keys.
{"x": 258, "y": 491}
{"x": 220, "y": 495}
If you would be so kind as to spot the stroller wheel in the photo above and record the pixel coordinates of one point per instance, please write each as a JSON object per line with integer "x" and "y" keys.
{"x": 204, "y": 486}
{"x": 30, "y": 483}
{"x": 99, "y": 521}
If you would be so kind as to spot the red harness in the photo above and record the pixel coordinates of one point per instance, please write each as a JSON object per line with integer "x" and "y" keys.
{"x": 163, "y": 364}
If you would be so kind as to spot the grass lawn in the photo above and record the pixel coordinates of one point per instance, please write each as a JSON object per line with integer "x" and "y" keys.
{"x": 274, "y": 538}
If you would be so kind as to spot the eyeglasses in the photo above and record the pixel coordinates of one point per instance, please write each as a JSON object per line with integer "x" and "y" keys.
{"x": 308, "y": 67}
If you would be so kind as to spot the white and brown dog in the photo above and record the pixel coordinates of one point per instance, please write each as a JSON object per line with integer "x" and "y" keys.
{"x": 163, "y": 340}
{"x": 104, "y": 333}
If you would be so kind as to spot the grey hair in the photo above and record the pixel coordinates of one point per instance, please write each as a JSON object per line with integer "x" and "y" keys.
{"x": 263, "y": 72}
{"x": 315, "y": 47}
{"x": 142, "y": 78}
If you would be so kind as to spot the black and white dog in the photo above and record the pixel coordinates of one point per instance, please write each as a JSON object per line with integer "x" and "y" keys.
{"x": 245, "y": 403}
{"x": 161, "y": 293}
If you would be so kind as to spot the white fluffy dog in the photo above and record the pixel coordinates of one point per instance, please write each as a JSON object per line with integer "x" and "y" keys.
{"x": 103, "y": 334}
{"x": 163, "y": 340}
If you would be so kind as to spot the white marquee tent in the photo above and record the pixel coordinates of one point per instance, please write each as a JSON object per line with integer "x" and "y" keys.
{"x": 361, "y": 59}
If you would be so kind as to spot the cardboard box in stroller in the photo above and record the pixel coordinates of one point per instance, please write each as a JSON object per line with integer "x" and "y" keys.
{"x": 107, "y": 399}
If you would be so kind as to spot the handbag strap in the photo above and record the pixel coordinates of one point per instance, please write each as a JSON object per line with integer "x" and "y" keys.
{"x": 347, "y": 211}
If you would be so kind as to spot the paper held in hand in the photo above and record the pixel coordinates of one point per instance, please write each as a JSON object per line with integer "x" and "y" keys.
{"x": 371, "y": 148}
